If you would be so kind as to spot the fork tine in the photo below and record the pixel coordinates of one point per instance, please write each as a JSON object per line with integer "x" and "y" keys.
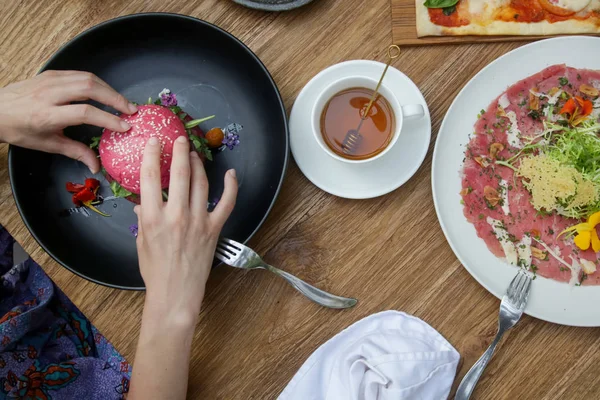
{"x": 525, "y": 293}
{"x": 223, "y": 250}
{"x": 230, "y": 242}
{"x": 512, "y": 288}
{"x": 522, "y": 282}
{"x": 232, "y": 247}
{"x": 514, "y": 296}
{"x": 518, "y": 291}
{"x": 221, "y": 257}
{"x": 225, "y": 253}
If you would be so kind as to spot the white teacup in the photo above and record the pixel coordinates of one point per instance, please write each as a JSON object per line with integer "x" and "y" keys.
{"x": 400, "y": 112}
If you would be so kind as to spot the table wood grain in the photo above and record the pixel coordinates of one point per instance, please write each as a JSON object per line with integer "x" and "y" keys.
{"x": 255, "y": 331}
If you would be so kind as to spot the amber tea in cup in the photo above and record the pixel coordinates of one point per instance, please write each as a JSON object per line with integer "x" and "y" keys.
{"x": 344, "y": 111}
{"x": 339, "y": 108}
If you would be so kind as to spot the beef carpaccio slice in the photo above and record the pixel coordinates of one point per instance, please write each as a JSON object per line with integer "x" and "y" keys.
{"x": 494, "y": 130}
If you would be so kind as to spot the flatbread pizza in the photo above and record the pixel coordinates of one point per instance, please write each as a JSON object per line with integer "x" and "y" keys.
{"x": 507, "y": 17}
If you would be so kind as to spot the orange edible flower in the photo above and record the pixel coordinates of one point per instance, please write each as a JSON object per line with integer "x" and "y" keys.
{"x": 586, "y": 233}
{"x": 586, "y": 105}
{"x": 577, "y": 109}
{"x": 569, "y": 107}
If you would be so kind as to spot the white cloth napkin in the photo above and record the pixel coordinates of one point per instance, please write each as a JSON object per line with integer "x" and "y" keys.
{"x": 389, "y": 355}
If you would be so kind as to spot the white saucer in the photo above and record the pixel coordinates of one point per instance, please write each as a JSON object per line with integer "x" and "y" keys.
{"x": 367, "y": 180}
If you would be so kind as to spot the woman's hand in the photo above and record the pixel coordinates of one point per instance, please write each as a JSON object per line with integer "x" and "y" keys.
{"x": 176, "y": 240}
{"x": 34, "y": 112}
{"x": 176, "y": 244}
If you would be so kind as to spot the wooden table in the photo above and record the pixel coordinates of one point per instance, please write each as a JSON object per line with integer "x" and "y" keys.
{"x": 255, "y": 331}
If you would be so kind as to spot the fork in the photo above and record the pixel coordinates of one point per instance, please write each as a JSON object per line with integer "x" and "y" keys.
{"x": 237, "y": 255}
{"x": 511, "y": 309}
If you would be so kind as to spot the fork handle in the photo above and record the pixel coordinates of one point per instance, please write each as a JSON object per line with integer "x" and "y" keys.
{"x": 317, "y": 295}
{"x": 467, "y": 386}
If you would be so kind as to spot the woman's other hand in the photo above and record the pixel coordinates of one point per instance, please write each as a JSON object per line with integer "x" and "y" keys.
{"x": 34, "y": 112}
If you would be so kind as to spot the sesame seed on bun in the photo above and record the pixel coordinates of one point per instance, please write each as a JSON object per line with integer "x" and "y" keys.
{"x": 121, "y": 153}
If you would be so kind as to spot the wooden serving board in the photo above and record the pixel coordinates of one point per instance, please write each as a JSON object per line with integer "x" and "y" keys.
{"x": 404, "y": 30}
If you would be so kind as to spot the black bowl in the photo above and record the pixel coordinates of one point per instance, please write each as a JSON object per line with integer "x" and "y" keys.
{"x": 213, "y": 73}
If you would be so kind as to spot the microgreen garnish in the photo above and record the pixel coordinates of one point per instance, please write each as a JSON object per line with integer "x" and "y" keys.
{"x": 95, "y": 142}
{"x": 569, "y": 147}
{"x": 201, "y": 145}
{"x": 534, "y": 114}
{"x": 118, "y": 190}
{"x": 194, "y": 123}
{"x": 176, "y": 110}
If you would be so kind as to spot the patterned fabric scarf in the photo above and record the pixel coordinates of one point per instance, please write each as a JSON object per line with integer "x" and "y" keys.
{"x": 48, "y": 349}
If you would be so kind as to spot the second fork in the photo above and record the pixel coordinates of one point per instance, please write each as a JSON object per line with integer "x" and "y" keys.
{"x": 238, "y": 255}
{"x": 511, "y": 309}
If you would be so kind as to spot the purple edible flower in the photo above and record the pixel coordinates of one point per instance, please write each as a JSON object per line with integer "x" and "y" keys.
{"x": 168, "y": 99}
{"x": 231, "y": 140}
{"x": 134, "y": 230}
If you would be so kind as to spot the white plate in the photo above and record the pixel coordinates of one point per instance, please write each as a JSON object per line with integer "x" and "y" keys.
{"x": 367, "y": 180}
{"x": 549, "y": 300}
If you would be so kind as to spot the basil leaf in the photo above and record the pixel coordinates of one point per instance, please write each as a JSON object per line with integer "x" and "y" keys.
{"x": 440, "y": 3}
{"x": 118, "y": 190}
{"x": 449, "y": 10}
{"x": 158, "y": 102}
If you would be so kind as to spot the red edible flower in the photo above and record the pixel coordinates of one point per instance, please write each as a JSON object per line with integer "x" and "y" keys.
{"x": 92, "y": 183}
{"x": 84, "y": 195}
{"x": 74, "y": 187}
